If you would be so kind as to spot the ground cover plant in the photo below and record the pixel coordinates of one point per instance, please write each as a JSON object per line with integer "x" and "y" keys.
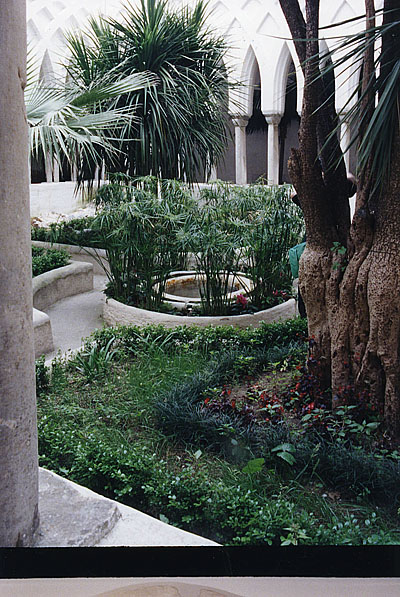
{"x": 44, "y": 260}
{"x": 149, "y": 416}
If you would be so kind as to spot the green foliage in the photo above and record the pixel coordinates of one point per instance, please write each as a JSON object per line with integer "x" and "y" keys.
{"x": 285, "y": 451}
{"x": 340, "y": 251}
{"x": 274, "y": 225}
{"x": 140, "y": 241}
{"x": 42, "y": 375}
{"x": 147, "y": 236}
{"x": 78, "y": 231}
{"x": 182, "y": 124}
{"x": 150, "y": 227}
{"x": 44, "y": 260}
{"x": 207, "y": 339}
{"x": 75, "y": 122}
{"x": 243, "y": 230}
{"x": 102, "y": 434}
{"x": 94, "y": 362}
{"x": 191, "y": 499}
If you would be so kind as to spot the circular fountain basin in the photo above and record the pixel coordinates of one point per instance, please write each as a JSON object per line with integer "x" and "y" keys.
{"x": 182, "y": 289}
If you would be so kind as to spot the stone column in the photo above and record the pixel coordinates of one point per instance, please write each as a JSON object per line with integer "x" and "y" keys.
{"x": 273, "y": 121}
{"x": 48, "y": 167}
{"x": 18, "y": 429}
{"x": 345, "y": 138}
{"x": 240, "y": 124}
{"x": 56, "y": 171}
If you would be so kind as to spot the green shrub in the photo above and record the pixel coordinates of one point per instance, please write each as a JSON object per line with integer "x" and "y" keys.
{"x": 94, "y": 362}
{"x": 208, "y": 339}
{"x": 77, "y": 231}
{"x": 44, "y": 260}
{"x": 141, "y": 245}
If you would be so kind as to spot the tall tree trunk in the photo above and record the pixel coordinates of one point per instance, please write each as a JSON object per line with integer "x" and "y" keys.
{"x": 18, "y": 435}
{"x": 352, "y": 299}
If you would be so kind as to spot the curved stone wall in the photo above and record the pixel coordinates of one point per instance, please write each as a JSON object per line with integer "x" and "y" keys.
{"x": 50, "y": 287}
{"x": 116, "y": 313}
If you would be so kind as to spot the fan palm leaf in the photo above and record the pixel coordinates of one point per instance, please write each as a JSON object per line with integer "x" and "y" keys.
{"x": 71, "y": 122}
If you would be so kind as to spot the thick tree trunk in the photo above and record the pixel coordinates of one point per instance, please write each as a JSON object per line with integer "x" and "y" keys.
{"x": 18, "y": 435}
{"x": 352, "y": 299}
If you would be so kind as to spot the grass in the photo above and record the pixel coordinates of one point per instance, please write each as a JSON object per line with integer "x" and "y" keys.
{"x": 104, "y": 432}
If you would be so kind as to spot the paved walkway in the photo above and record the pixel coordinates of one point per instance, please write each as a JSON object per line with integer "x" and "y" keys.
{"x": 76, "y": 317}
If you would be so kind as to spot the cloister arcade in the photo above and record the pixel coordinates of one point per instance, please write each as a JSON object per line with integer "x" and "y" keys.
{"x": 264, "y": 110}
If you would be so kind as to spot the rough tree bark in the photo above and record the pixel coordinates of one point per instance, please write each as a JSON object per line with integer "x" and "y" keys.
{"x": 352, "y": 300}
{"x": 18, "y": 435}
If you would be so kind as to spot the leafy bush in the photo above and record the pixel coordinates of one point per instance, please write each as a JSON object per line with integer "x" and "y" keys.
{"x": 208, "y": 339}
{"x": 78, "y": 231}
{"x": 44, "y": 260}
{"x": 94, "y": 362}
{"x": 235, "y": 230}
{"x": 140, "y": 241}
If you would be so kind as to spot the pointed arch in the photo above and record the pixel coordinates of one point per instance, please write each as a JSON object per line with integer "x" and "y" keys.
{"x": 285, "y": 59}
{"x": 242, "y": 98}
{"x": 46, "y": 74}
{"x": 344, "y": 11}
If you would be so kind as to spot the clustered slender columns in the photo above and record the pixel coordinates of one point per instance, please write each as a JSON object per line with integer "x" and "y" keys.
{"x": 345, "y": 138}
{"x": 240, "y": 124}
{"x": 273, "y": 121}
{"x": 18, "y": 430}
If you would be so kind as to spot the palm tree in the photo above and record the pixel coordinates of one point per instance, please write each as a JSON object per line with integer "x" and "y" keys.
{"x": 181, "y": 130}
{"x": 67, "y": 122}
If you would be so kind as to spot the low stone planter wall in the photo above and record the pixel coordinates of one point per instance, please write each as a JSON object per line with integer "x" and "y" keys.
{"x": 85, "y": 254}
{"x": 42, "y": 333}
{"x": 50, "y": 287}
{"x": 116, "y": 313}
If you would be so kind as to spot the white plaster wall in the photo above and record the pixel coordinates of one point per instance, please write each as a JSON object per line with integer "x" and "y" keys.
{"x": 57, "y": 197}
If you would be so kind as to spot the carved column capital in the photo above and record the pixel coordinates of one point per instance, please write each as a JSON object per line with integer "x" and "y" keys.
{"x": 240, "y": 121}
{"x": 273, "y": 118}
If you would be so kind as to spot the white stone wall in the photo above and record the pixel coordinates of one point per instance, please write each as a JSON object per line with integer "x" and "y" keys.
{"x": 57, "y": 197}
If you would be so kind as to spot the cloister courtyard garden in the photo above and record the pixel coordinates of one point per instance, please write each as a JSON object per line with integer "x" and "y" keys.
{"x": 239, "y": 214}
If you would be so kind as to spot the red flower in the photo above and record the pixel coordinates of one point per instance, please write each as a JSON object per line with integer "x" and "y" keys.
{"x": 241, "y": 300}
